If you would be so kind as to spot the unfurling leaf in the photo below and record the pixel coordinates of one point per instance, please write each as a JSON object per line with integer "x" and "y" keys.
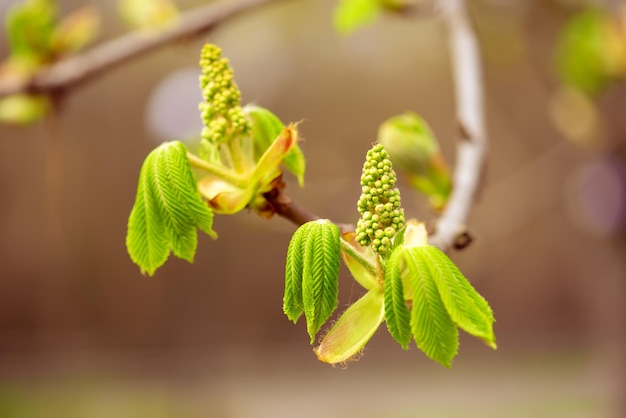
{"x": 168, "y": 208}
{"x": 266, "y": 127}
{"x": 397, "y": 313}
{"x": 229, "y": 194}
{"x": 356, "y": 259}
{"x": 292, "y": 300}
{"x": 414, "y": 150}
{"x": 353, "y": 329}
{"x": 312, "y": 268}
{"x": 268, "y": 165}
{"x": 320, "y": 273}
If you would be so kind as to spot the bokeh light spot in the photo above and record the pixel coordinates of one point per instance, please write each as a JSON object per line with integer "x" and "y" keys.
{"x": 597, "y": 194}
{"x": 172, "y": 111}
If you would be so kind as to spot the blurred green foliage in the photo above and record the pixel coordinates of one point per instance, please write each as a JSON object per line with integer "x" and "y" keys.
{"x": 36, "y": 38}
{"x": 591, "y": 50}
{"x": 148, "y": 14}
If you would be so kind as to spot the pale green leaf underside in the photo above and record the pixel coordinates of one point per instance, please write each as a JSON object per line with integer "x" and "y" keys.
{"x": 356, "y": 258}
{"x": 397, "y": 313}
{"x": 292, "y": 300}
{"x": 434, "y": 331}
{"x": 353, "y": 329}
{"x": 320, "y": 273}
{"x": 168, "y": 208}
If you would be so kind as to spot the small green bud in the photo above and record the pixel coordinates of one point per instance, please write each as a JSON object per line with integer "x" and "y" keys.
{"x": 413, "y": 148}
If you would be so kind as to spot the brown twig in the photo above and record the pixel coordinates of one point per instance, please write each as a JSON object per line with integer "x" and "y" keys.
{"x": 78, "y": 69}
{"x": 287, "y": 208}
{"x": 472, "y": 146}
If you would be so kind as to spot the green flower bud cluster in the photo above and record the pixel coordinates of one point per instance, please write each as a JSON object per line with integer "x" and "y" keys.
{"x": 221, "y": 110}
{"x": 379, "y": 204}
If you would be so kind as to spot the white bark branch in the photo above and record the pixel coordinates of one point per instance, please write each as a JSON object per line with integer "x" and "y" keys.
{"x": 472, "y": 146}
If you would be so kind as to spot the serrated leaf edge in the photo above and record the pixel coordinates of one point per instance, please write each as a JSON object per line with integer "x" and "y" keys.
{"x": 397, "y": 314}
{"x": 320, "y": 274}
{"x": 433, "y": 330}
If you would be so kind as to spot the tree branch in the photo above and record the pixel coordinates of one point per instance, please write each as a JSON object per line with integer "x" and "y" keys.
{"x": 472, "y": 146}
{"x": 78, "y": 69}
{"x": 285, "y": 207}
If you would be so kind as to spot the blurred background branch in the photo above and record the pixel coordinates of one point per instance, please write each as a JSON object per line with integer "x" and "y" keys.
{"x": 75, "y": 70}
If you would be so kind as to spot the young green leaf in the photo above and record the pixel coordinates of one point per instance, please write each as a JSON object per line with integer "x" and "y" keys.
{"x": 361, "y": 261}
{"x": 292, "y": 300}
{"x": 266, "y": 127}
{"x": 351, "y": 15}
{"x": 168, "y": 209}
{"x": 146, "y": 239}
{"x": 353, "y": 330}
{"x": 320, "y": 273}
{"x": 434, "y": 332}
{"x": 468, "y": 309}
{"x": 397, "y": 313}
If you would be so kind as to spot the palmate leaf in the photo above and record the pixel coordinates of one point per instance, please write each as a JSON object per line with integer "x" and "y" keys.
{"x": 168, "y": 208}
{"x": 434, "y": 331}
{"x": 320, "y": 273}
{"x": 468, "y": 309}
{"x": 397, "y": 313}
{"x": 146, "y": 238}
{"x": 312, "y": 273}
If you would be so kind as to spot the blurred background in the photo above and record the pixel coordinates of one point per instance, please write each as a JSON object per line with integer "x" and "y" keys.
{"x": 83, "y": 334}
